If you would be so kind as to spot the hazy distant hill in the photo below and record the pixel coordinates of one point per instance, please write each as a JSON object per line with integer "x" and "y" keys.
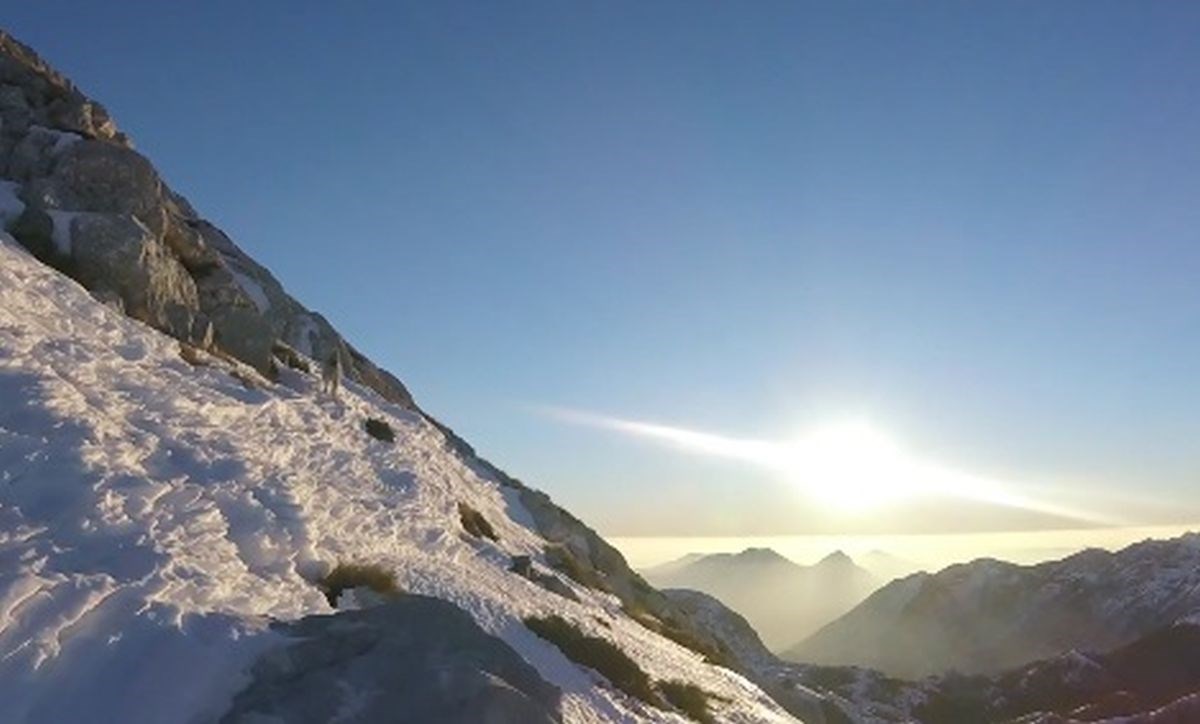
{"x": 989, "y": 615}
{"x": 1153, "y": 680}
{"x": 885, "y": 566}
{"x": 783, "y": 600}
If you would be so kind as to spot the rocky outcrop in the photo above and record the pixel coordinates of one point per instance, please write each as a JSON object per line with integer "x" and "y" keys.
{"x": 96, "y": 209}
{"x": 414, "y": 659}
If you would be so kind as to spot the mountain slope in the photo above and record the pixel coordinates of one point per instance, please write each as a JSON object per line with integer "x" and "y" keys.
{"x": 75, "y": 192}
{"x": 155, "y": 516}
{"x": 168, "y": 508}
{"x": 783, "y": 600}
{"x": 988, "y": 615}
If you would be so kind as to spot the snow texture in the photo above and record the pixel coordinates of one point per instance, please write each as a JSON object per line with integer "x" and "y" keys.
{"x": 156, "y": 516}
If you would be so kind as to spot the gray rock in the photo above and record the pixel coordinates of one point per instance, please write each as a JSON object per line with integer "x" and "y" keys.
{"x": 415, "y": 659}
{"x": 116, "y": 252}
{"x": 101, "y": 177}
{"x": 521, "y": 565}
{"x": 188, "y": 244}
{"x": 53, "y": 99}
{"x": 68, "y": 155}
{"x": 12, "y": 98}
{"x": 34, "y": 155}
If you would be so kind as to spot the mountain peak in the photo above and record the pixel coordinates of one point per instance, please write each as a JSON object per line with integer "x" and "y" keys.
{"x": 760, "y": 555}
{"x": 836, "y": 559}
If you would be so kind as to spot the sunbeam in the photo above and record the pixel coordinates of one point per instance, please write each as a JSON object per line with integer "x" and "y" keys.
{"x": 848, "y": 466}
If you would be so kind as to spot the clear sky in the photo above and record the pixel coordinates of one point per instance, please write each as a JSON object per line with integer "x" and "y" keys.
{"x": 974, "y": 225}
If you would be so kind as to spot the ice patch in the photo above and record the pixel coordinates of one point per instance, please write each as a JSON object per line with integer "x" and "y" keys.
{"x": 61, "y": 235}
{"x": 252, "y": 289}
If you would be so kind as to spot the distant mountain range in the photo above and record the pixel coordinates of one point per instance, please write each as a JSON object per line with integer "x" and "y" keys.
{"x": 886, "y": 566}
{"x": 783, "y": 600}
{"x": 1155, "y": 679}
{"x": 988, "y": 616}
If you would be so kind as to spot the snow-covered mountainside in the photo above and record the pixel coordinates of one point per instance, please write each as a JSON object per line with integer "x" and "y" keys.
{"x": 784, "y": 601}
{"x": 177, "y": 506}
{"x": 157, "y": 514}
{"x": 988, "y": 615}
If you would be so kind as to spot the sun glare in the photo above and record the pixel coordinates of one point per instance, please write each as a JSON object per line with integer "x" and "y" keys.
{"x": 851, "y": 466}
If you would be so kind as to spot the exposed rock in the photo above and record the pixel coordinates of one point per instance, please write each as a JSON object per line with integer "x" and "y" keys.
{"x": 117, "y": 253}
{"x": 98, "y": 176}
{"x": 188, "y": 244}
{"x": 50, "y": 99}
{"x": 523, "y": 567}
{"x": 69, "y": 159}
{"x": 34, "y": 155}
{"x": 415, "y": 659}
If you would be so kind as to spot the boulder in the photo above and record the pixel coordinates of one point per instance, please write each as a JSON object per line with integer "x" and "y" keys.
{"x": 101, "y": 177}
{"x": 414, "y": 659}
{"x": 34, "y": 155}
{"x": 116, "y": 252}
{"x": 189, "y": 246}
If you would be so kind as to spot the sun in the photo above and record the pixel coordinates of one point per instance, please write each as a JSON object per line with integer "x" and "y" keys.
{"x": 851, "y": 466}
{"x": 848, "y": 466}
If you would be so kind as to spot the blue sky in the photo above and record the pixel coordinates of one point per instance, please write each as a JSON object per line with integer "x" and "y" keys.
{"x": 975, "y": 224}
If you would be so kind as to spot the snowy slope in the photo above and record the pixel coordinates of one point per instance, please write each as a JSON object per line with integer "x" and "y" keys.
{"x": 155, "y": 516}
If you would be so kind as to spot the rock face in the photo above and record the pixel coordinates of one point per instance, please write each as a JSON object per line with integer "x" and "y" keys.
{"x": 97, "y": 210}
{"x": 415, "y": 659}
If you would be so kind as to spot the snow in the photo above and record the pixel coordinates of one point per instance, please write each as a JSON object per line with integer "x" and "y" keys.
{"x": 155, "y": 517}
{"x": 61, "y": 234}
{"x": 252, "y": 289}
{"x": 11, "y": 205}
{"x": 62, "y": 139}
{"x": 307, "y": 331}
